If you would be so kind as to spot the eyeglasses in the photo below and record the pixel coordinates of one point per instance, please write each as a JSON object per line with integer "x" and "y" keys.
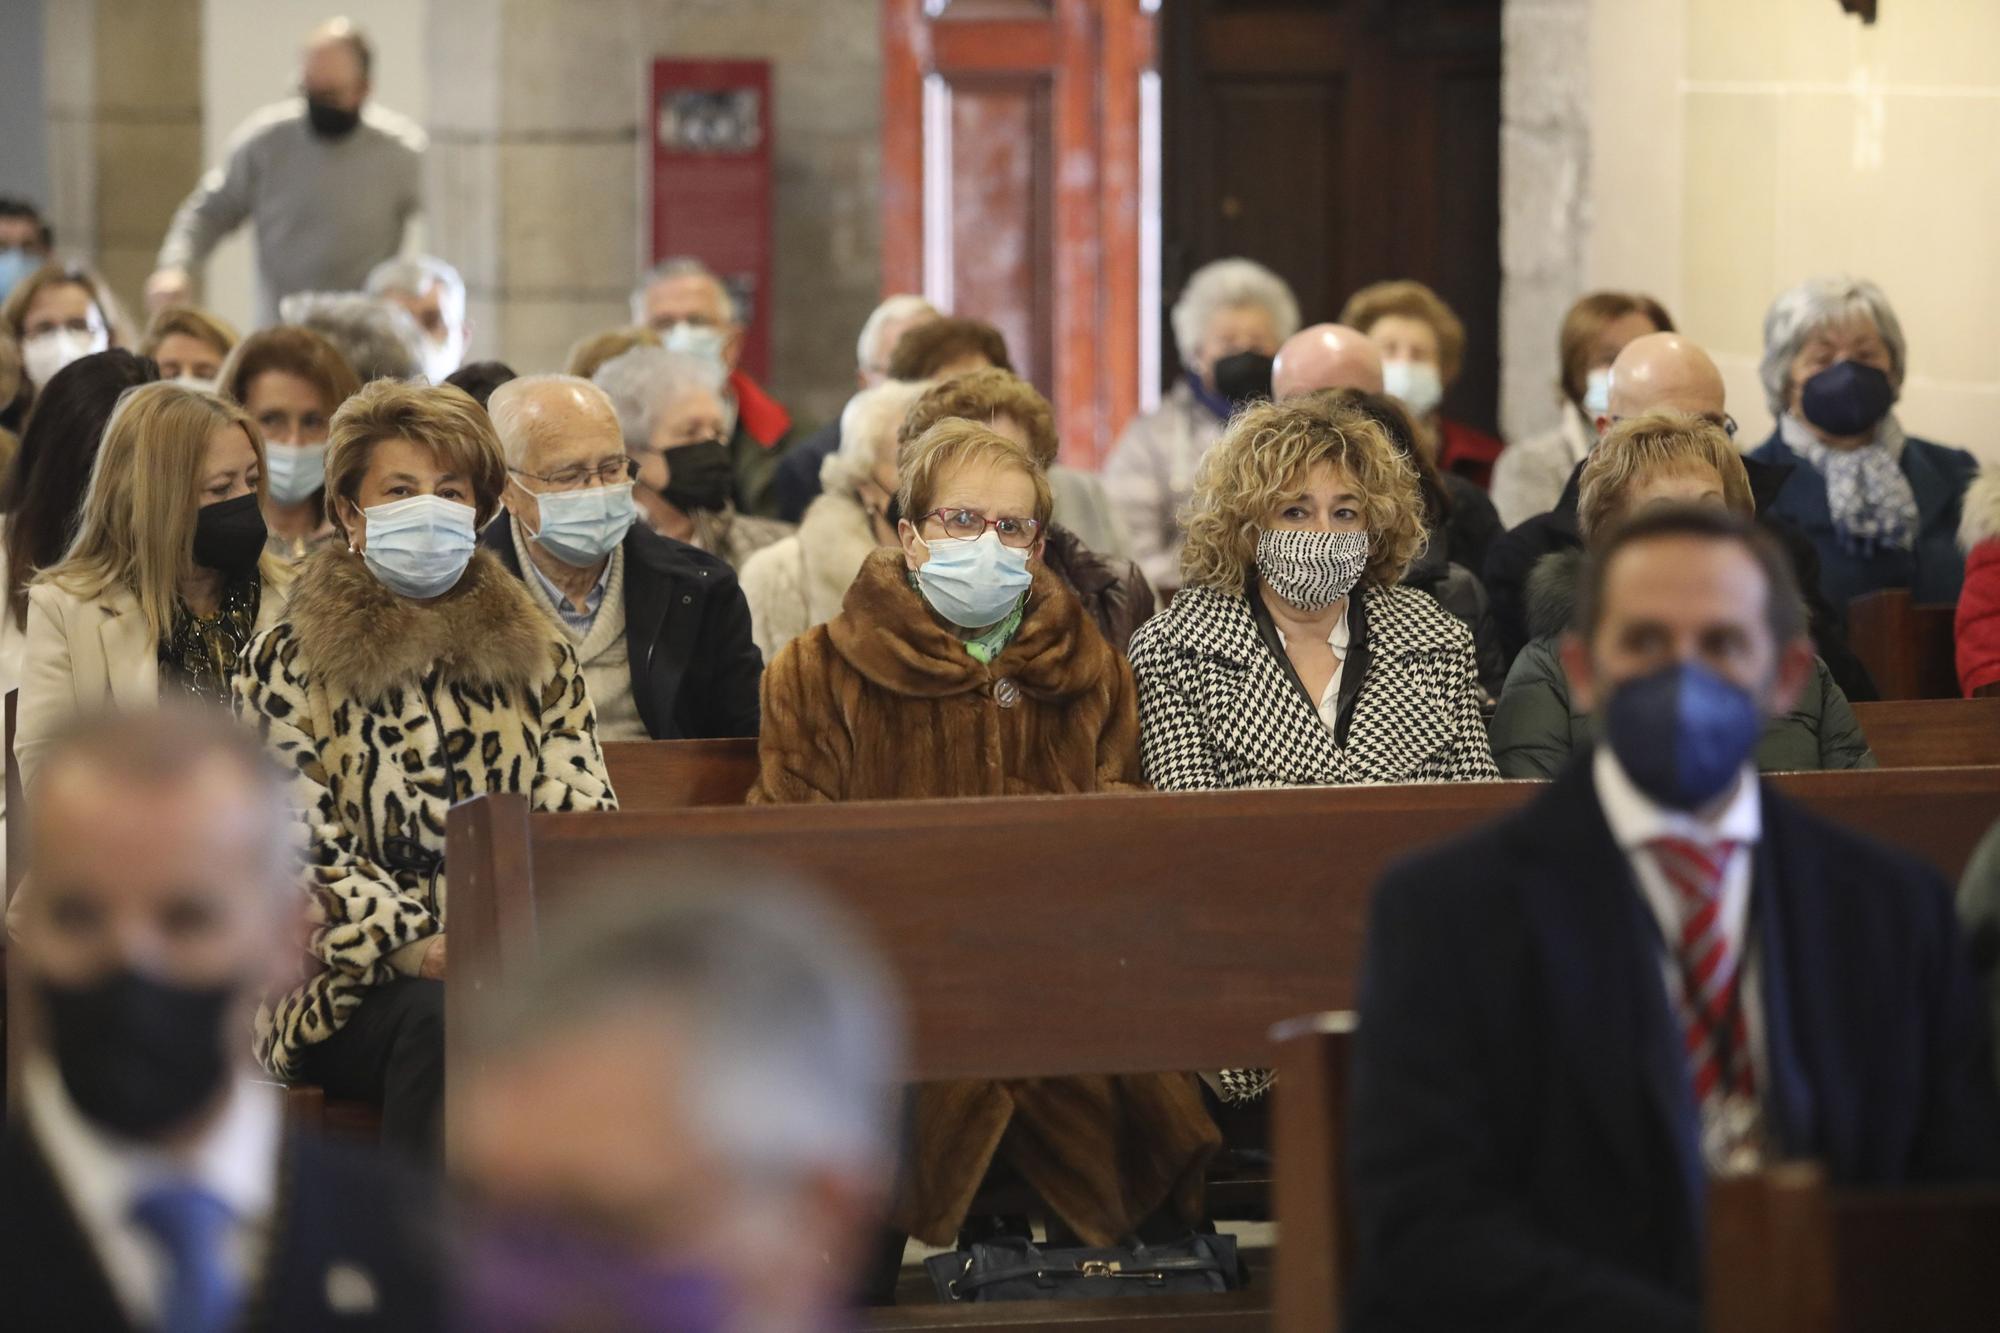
{"x": 968, "y": 525}
{"x": 608, "y": 473}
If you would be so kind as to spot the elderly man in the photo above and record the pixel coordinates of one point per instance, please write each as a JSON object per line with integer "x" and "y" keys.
{"x": 661, "y": 628}
{"x": 1666, "y": 372}
{"x": 328, "y": 179}
{"x": 149, "y": 1181}
{"x": 796, "y": 483}
{"x": 1231, "y": 313}
{"x": 681, "y": 1087}
{"x": 687, "y": 305}
{"x": 1326, "y": 356}
{"x": 434, "y": 295}
{"x": 1720, "y": 979}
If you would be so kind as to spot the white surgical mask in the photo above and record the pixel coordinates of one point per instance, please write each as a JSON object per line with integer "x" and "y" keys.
{"x": 196, "y": 382}
{"x": 418, "y": 547}
{"x": 1415, "y": 383}
{"x": 443, "y": 357}
{"x": 1597, "y": 394}
{"x": 974, "y": 583}
{"x": 43, "y": 354}
{"x": 698, "y": 340}
{"x": 582, "y": 527}
{"x": 292, "y": 472}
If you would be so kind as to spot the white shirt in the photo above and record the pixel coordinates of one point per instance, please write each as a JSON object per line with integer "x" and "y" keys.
{"x": 1336, "y": 639}
{"x": 103, "y": 1177}
{"x": 1635, "y": 820}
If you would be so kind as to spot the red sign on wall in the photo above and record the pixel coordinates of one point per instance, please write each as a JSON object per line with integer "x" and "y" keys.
{"x": 711, "y": 186}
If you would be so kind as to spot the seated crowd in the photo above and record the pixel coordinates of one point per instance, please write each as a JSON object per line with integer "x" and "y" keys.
{"x": 418, "y": 582}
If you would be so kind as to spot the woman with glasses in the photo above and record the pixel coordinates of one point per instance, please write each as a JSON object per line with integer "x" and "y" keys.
{"x": 662, "y": 629}
{"x": 677, "y": 427}
{"x": 1293, "y": 656}
{"x": 960, "y": 666}
{"x": 410, "y": 672}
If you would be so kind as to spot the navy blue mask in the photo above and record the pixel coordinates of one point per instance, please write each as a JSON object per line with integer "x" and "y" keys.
{"x": 1847, "y": 398}
{"x": 1682, "y": 733}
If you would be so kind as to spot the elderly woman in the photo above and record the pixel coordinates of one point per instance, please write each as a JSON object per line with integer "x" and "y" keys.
{"x": 960, "y": 666}
{"x": 1114, "y": 592}
{"x": 1423, "y": 348}
{"x": 1230, "y": 313}
{"x": 801, "y": 580}
{"x": 1881, "y": 507}
{"x": 380, "y": 339}
{"x": 58, "y": 314}
{"x": 409, "y": 673}
{"x": 190, "y": 345}
{"x": 1531, "y": 474}
{"x": 1643, "y": 461}
{"x": 670, "y": 408}
{"x": 1294, "y": 656}
{"x": 291, "y": 381}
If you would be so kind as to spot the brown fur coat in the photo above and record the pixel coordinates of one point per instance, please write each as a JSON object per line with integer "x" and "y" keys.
{"x": 881, "y": 702}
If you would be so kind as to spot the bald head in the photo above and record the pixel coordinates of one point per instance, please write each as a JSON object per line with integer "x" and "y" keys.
{"x": 1664, "y": 372}
{"x": 1326, "y": 356}
{"x": 335, "y": 66}
{"x": 538, "y": 414}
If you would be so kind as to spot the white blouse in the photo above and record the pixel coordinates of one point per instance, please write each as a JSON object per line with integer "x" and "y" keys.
{"x": 1329, "y": 698}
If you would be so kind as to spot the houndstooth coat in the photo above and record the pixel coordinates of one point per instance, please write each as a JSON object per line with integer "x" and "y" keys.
{"x": 1217, "y": 708}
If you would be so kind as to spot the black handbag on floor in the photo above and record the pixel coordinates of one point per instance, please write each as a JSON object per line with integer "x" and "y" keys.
{"x": 1011, "y": 1269}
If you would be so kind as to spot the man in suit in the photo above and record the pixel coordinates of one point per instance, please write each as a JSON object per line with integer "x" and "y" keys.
{"x": 1656, "y": 972}
{"x": 148, "y": 1181}
{"x": 661, "y": 628}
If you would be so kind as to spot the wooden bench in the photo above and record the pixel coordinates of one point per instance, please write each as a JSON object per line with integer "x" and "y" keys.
{"x": 1787, "y": 1254}
{"x": 1932, "y": 733}
{"x": 1909, "y": 649}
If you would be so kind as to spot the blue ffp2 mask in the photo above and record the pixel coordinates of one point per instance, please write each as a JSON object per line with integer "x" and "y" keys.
{"x": 1682, "y": 733}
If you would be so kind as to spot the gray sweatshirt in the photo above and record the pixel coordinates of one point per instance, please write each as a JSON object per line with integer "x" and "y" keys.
{"x": 326, "y": 211}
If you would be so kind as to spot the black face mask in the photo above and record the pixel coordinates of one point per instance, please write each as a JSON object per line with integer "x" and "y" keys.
{"x": 1243, "y": 378}
{"x": 699, "y": 476}
{"x": 230, "y": 535}
{"x": 329, "y": 121}
{"x": 138, "y": 1056}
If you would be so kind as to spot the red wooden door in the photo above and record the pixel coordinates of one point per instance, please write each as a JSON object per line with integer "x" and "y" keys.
{"x": 1013, "y": 187}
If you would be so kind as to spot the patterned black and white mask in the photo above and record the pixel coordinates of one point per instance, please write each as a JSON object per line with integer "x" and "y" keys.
{"x": 1311, "y": 570}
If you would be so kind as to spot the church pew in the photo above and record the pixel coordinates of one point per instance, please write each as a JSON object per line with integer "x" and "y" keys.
{"x": 1789, "y": 1254}
{"x": 1908, "y": 648}
{"x": 1932, "y": 733}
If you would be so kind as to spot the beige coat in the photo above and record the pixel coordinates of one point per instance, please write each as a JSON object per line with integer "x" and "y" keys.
{"x": 802, "y": 580}
{"x": 90, "y": 654}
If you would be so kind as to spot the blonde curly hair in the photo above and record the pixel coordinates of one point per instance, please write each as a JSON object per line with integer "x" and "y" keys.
{"x": 1264, "y": 458}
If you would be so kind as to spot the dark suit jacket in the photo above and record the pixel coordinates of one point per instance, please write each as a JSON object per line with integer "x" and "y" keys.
{"x": 695, "y": 670}
{"x": 795, "y": 481}
{"x": 1523, "y": 1139}
{"x": 335, "y": 1206}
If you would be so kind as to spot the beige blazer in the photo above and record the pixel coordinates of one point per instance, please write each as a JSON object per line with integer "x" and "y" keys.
{"x": 83, "y": 655}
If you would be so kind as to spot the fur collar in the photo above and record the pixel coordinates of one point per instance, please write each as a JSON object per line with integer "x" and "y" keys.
{"x": 363, "y": 640}
{"x": 835, "y": 538}
{"x": 1980, "y": 520}
{"x": 1552, "y": 589}
{"x": 885, "y": 632}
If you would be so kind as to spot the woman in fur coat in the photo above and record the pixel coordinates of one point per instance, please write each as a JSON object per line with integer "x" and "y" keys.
{"x": 960, "y": 666}
{"x": 408, "y": 673}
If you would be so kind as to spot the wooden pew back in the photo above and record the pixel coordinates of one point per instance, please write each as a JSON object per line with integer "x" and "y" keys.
{"x": 1787, "y": 1254}
{"x": 1909, "y": 649}
{"x": 1932, "y": 733}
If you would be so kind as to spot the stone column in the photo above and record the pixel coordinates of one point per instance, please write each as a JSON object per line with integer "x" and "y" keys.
{"x": 124, "y": 107}
{"x": 535, "y": 172}
{"x": 1545, "y": 214}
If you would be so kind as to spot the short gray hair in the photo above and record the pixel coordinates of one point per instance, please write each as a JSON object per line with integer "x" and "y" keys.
{"x": 643, "y": 380}
{"x": 413, "y": 275}
{"x": 898, "y": 307}
{"x": 682, "y": 266}
{"x": 1216, "y": 287}
{"x": 378, "y": 338}
{"x": 790, "y": 1023}
{"x": 871, "y": 418}
{"x": 1810, "y": 307}
{"x": 509, "y": 409}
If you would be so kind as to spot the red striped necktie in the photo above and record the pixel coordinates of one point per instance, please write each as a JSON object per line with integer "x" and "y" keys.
{"x": 1717, "y": 1042}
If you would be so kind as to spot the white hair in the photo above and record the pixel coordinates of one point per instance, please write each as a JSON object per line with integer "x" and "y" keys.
{"x": 682, "y": 266}
{"x": 645, "y": 379}
{"x": 508, "y": 407}
{"x": 413, "y": 275}
{"x": 378, "y": 338}
{"x": 894, "y": 310}
{"x": 868, "y": 423}
{"x": 1230, "y": 282}
{"x": 1811, "y": 307}
{"x": 789, "y": 1025}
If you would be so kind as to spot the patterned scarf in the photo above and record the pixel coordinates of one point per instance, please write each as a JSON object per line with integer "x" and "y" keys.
{"x": 1872, "y": 503}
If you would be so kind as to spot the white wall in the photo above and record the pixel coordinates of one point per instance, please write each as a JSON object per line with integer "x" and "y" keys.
{"x": 250, "y": 58}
